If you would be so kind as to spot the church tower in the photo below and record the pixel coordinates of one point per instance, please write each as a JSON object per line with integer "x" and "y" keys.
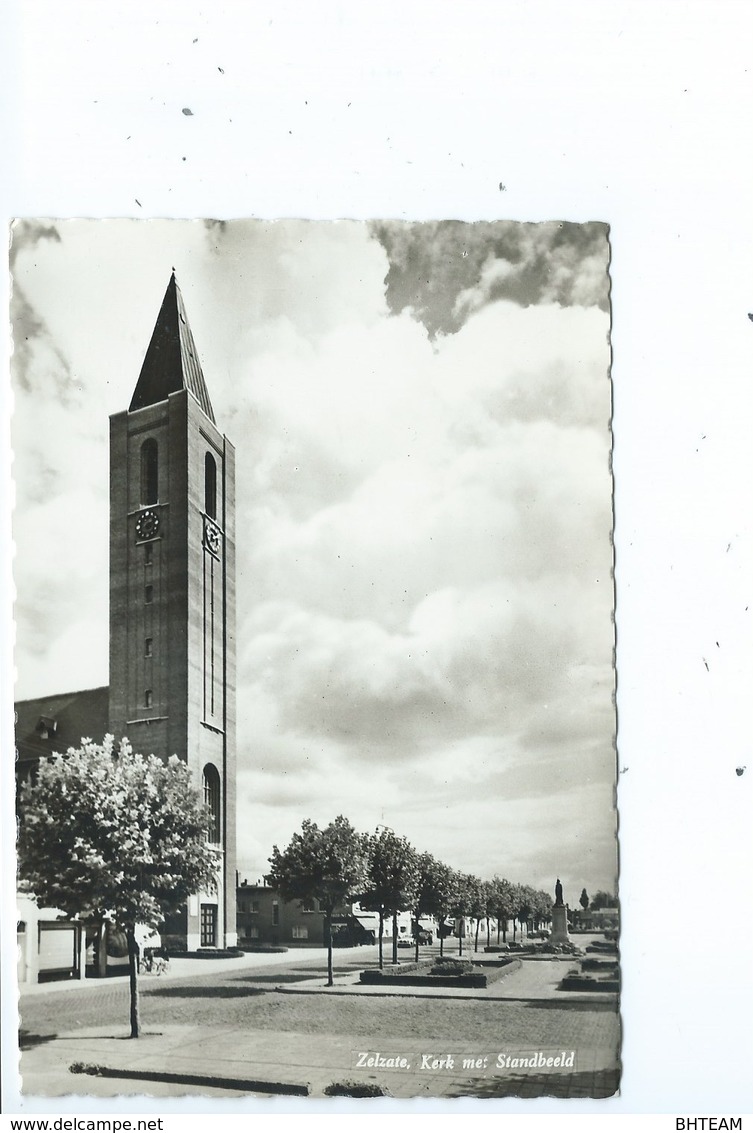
{"x": 172, "y": 593}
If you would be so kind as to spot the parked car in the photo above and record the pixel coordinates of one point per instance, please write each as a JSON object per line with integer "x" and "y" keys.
{"x": 423, "y": 935}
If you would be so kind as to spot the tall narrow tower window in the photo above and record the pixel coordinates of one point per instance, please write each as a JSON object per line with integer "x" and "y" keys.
{"x": 149, "y": 472}
{"x": 211, "y": 785}
{"x": 210, "y": 486}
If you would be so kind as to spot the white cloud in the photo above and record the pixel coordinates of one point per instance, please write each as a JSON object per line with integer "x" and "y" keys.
{"x": 424, "y": 589}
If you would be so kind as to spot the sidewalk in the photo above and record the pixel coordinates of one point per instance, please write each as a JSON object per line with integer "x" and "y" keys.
{"x": 180, "y": 968}
{"x": 281, "y": 1060}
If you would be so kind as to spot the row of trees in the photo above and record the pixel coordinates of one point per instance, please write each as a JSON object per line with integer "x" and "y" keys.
{"x": 106, "y": 834}
{"x": 387, "y": 875}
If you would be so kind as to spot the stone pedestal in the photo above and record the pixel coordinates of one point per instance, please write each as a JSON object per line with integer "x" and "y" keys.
{"x": 559, "y": 925}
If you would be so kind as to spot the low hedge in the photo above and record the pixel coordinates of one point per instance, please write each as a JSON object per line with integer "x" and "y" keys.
{"x": 416, "y": 979}
{"x": 210, "y": 954}
{"x": 451, "y": 966}
{"x": 594, "y": 964}
{"x": 576, "y": 982}
{"x": 254, "y": 949}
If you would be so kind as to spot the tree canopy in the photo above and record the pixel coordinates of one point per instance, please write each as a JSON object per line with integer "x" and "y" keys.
{"x": 113, "y": 835}
{"x": 438, "y": 893}
{"x": 110, "y": 835}
{"x": 328, "y": 865}
{"x": 603, "y": 900}
{"x": 393, "y": 879}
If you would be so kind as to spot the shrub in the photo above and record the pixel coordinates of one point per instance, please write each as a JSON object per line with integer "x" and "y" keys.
{"x": 349, "y": 1088}
{"x": 86, "y": 1068}
{"x": 450, "y": 966}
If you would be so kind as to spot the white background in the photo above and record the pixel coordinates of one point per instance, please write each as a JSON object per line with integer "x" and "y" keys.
{"x": 635, "y": 114}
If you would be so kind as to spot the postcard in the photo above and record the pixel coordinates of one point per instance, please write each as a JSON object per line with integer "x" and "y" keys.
{"x": 315, "y": 716}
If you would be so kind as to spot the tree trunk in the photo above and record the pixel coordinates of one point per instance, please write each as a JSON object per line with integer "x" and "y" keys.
{"x": 417, "y": 932}
{"x": 461, "y": 930}
{"x": 478, "y": 926}
{"x": 381, "y": 937}
{"x": 441, "y": 935}
{"x": 499, "y": 927}
{"x": 328, "y": 934}
{"x": 488, "y": 932}
{"x": 133, "y": 981}
{"x": 504, "y": 929}
{"x": 394, "y": 937}
{"x": 101, "y": 950}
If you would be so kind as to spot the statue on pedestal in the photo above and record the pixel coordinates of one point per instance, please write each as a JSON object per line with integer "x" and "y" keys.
{"x": 558, "y": 893}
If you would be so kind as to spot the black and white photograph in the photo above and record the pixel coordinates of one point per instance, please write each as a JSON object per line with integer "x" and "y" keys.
{"x": 375, "y": 563}
{"x": 315, "y": 699}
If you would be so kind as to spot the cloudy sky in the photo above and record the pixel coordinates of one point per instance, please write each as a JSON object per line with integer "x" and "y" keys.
{"x": 421, "y": 417}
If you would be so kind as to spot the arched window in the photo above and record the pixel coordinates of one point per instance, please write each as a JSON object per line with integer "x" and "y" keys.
{"x": 210, "y": 486}
{"x": 149, "y": 472}
{"x": 211, "y": 785}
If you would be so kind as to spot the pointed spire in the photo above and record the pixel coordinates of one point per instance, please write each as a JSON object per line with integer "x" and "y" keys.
{"x": 171, "y": 362}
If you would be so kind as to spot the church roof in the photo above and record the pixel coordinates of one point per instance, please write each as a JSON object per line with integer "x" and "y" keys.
{"x": 172, "y": 361}
{"x": 54, "y": 723}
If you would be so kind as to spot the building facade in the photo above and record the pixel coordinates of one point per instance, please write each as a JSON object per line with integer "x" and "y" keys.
{"x": 172, "y": 592}
{"x": 172, "y": 606}
{"x": 266, "y": 919}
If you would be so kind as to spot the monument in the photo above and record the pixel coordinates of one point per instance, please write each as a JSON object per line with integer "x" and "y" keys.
{"x": 559, "y": 917}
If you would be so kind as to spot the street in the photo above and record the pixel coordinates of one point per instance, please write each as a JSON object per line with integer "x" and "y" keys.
{"x": 269, "y": 1018}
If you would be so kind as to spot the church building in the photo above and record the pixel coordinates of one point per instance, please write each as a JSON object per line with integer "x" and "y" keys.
{"x": 172, "y": 606}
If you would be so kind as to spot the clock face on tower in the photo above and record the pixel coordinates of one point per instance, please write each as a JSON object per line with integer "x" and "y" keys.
{"x": 147, "y": 525}
{"x": 212, "y": 537}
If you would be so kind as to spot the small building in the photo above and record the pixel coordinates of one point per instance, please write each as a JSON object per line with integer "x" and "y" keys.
{"x": 596, "y": 920}
{"x": 50, "y": 946}
{"x": 604, "y": 918}
{"x": 266, "y": 919}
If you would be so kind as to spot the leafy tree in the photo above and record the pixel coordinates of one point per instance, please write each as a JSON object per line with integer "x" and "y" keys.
{"x": 542, "y": 907}
{"x": 477, "y": 903}
{"x": 584, "y": 900}
{"x": 464, "y": 902}
{"x": 516, "y": 899}
{"x": 602, "y": 900}
{"x": 110, "y": 835}
{"x": 489, "y": 891}
{"x": 393, "y": 877}
{"x": 439, "y": 885}
{"x": 524, "y": 906}
{"x": 501, "y": 904}
{"x": 424, "y": 894}
{"x": 328, "y": 865}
